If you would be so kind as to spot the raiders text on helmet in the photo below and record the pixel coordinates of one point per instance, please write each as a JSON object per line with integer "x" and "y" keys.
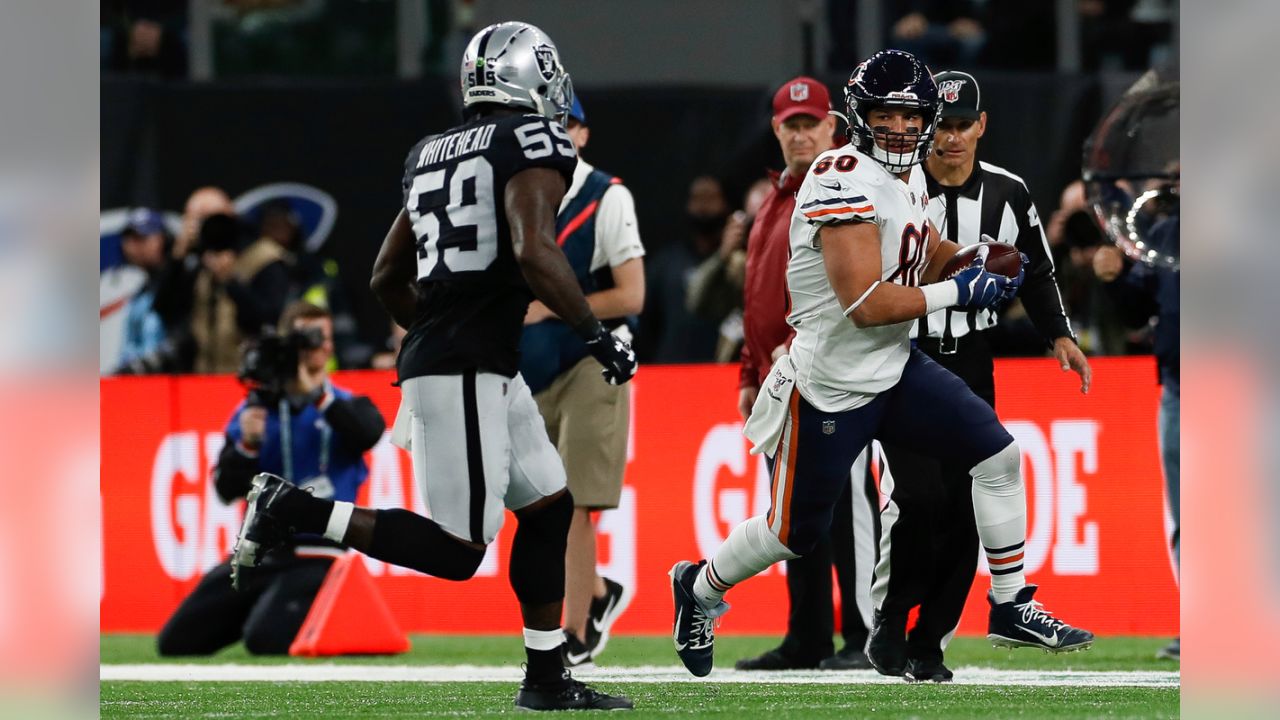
{"x": 891, "y": 78}
{"x": 517, "y": 65}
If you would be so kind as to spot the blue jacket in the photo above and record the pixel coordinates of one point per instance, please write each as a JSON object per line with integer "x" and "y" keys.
{"x": 320, "y": 458}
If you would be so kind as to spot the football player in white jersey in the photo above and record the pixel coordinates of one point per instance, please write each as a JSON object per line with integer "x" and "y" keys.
{"x": 864, "y": 265}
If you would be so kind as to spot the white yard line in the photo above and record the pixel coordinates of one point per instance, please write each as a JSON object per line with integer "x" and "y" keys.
{"x": 647, "y": 674}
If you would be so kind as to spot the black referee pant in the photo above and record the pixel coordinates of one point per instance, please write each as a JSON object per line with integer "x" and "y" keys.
{"x": 811, "y": 618}
{"x": 933, "y": 543}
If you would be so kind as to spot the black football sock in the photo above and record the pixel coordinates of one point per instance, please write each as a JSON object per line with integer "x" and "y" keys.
{"x": 546, "y": 667}
{"x": 410, "y": 540}
{"x": 542, "y": 648}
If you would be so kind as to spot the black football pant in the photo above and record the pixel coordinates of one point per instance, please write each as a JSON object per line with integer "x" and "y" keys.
{"x": 267, "y": 613}
{"x": 811, "y": 619}
{"x": 933, "y": 544}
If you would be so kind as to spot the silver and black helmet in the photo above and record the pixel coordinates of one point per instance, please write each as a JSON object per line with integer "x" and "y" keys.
{"x": 516, "y": 64}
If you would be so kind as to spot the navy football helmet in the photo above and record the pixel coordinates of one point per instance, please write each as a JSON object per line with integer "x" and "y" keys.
{"x": 891, "y": 78}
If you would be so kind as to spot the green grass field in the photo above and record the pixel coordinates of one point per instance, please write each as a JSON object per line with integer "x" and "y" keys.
{"x": 861, "y": 696}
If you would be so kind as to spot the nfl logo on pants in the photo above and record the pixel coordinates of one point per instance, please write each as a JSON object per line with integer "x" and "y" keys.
{"x": 828, "y": 427}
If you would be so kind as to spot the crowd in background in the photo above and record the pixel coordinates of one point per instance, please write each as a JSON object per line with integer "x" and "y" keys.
{"x": 1011, "y": 34}
{"x": 346, "y": 37}
{"x": 188, "y": 300}
{"x": 199, "y": 294}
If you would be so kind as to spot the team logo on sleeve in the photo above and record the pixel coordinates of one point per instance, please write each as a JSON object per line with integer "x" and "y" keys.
{"x": 546, "y": 61}
{"x": 950, "y": 90}
{"x": 799, "y": 92}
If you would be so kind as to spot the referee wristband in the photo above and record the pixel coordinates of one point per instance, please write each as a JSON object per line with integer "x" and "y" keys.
{"x": 940, "y": 295}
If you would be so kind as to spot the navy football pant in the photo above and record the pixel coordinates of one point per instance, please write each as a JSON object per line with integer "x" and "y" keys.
{"x": 811, "y": 618}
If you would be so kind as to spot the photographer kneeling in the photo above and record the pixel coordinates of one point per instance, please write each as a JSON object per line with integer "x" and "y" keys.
{"x": 297, "y": 424}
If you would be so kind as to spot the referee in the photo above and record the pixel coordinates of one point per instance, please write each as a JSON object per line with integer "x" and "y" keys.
{"x": 928, "y": 540}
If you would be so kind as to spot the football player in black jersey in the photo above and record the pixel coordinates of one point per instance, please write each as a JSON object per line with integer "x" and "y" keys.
{"x": 473, "y": 244}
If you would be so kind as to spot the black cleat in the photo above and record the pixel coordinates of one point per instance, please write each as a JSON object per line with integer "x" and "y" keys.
{"x": 260, "y": 531}
{"x": 694, "y": 630}
{"x": 602, "y": 614}
{"x": 887, "y": 644}
{"x": 849, "y": 658}
{"x": 567, "y": 694}
{"x": 1172, "y": 651}
{"x": 773, "y": 660}
{"x": 1023, "y": 622}
{"x": 926, "y": 671}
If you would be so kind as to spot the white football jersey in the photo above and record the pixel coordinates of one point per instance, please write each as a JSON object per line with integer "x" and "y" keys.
{"x": 840, "y": 366}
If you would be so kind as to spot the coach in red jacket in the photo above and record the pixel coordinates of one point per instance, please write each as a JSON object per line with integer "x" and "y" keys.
{"x": 804, "y": 130}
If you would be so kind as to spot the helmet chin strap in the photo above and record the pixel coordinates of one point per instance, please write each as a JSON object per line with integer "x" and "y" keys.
{"x": 848, "y": 126}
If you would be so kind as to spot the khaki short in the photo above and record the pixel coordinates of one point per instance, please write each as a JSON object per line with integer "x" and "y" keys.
{"x": 587, "y": 422}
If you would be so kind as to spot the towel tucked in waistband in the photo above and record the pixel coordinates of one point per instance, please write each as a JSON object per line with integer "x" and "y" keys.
{"x": 402, "y": 429}
{"x": 769, "y": 414}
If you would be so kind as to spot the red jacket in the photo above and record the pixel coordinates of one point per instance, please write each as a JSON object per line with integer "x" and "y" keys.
{"x": 765, "y": 302}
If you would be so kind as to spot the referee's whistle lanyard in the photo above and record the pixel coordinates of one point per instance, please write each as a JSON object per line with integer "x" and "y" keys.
{"x": 286, "y": 439}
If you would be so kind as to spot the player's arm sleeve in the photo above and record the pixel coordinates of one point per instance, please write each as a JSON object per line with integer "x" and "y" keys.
{"x": 1039, "y": 293}
{"x": 233, "y": 474}
{"x": 357, "y": 424}
{"x": 831, "y": 198}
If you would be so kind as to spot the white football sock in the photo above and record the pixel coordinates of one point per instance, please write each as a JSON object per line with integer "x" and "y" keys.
{"x": 749, "y": 550}
{"x": 543, "y": 639}
{"x": 339, "y": 519}
{"x": 1000, "y": 508}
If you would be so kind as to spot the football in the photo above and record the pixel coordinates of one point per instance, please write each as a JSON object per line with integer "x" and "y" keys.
{"x": 1001, "y": 258}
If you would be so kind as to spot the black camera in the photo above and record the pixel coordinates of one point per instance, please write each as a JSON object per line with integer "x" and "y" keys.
{"x": 271, "y": 362}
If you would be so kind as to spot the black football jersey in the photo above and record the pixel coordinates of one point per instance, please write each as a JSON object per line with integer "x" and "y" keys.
{"x": 472, "y": 296}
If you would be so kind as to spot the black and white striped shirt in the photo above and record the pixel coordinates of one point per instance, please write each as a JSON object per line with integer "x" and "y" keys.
{"x": 995, "y": 202}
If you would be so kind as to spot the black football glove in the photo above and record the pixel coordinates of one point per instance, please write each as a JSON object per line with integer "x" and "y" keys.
{"x": 611, "y": 351}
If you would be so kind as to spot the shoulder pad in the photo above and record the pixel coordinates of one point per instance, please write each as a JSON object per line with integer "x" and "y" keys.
{"x": 834, "y": 190}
